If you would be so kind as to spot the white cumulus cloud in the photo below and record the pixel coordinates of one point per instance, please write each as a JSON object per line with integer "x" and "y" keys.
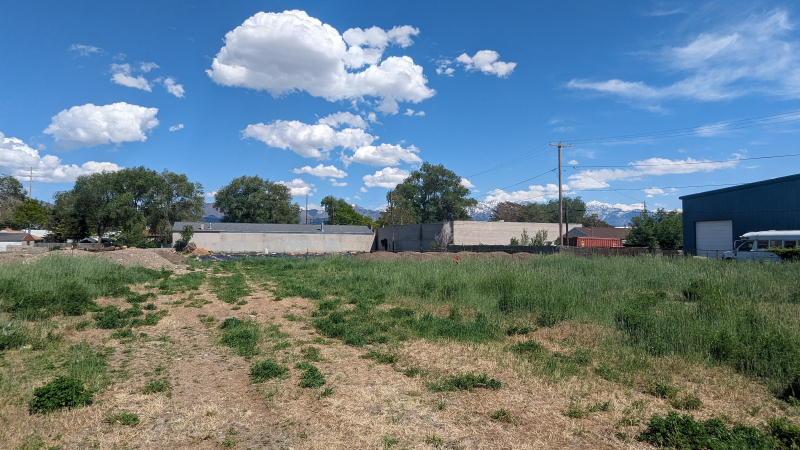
{"x": 382, "y": 155}
{"x": 298, "y": 187}
{"x": 322, "y": 171}
{"x": 385, "y": 178}
{"x": 344, "y": 118}
{"x": 173, "y": 87}
{"x": 335, "y": 183}
{"x": 89, "y": 125}
{"x": 487, "y": 62}
{"x": 466, "y": 183}
{"x": 291, "y": 51}
{"x": 148, "y": 66}
{"x": 122, "y": 76}
{"x": 308, "y": 141}
{"x": 176, "y": 127}
{"x": 593, "y": 179}
{"x": 532, "y": 194}
{"x": 17, "y": 158}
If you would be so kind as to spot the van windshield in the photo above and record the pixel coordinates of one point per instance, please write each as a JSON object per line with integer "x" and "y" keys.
{"x": 746, "y": 246}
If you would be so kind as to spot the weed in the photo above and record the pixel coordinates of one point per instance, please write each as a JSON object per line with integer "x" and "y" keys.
{"x": 684, "y": 431}
{"x": 229, "y": 289}
{"x": 327, "y": 392}
{"x": 122, "y": 334}
{"x": 206, "y": 320}
{"x": 503, "y": 416}
{"x": 311, "y": 354}
{"x": 414, "y": 371}
{"x": 575, "y": 412}
{"x": 380, "y": 358}
{"x": 156, "y": 386}
{"x": 434, "y": 440}
{"x": 515, "y": 330}
{"x": 182, "y": 283}
{"x": 311, "y": 376}
{"x": 83, "y": 325}
{"x": 388, "y": 442}
{"x": 583, "y": 357}
{"x": 605, "y": 372}
{"x": 527, "y": 348}
{"x": 149, "y": 307}
{"x": 111, "y": 317}
{"x": 467, "y": 382}
{"x": 267, "y": 370}
{"x": 229, "y": 442}
{"x": 62, "y": 392}
{"x": 124, "y": 418}
{"x": 282, "y": 345}
{"x": 687, "y": 402}
{"x": 291, "y": 318}
{"x": 241, "y": 336}
{"x": 196, "y": 302}
{"x": 754, "y": 411}
{"x": 664, "y": 391}
{"x": 602, "y": 407}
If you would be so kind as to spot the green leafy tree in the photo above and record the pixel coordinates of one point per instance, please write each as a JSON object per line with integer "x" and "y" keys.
{"x": 506, "y": 212}
{"x": 396, "y": 215}
{"x": 65, "y": 222}
{"x": 574, "y": 211}
{"x": 342, "y": 213}
{"x": 30, "y": 212}
{"x": 432, "y": 194}
{"x": 255, "y": 200}
{"x": 669, "y": 232}
{"x": 593, "y": 221}
{"x": 643, "y": 231}
{"x": 11, "y": 195}
{"x": 173, "y": 199}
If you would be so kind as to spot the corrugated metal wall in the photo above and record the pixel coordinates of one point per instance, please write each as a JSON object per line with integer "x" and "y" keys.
{"x": 770, "y": 205}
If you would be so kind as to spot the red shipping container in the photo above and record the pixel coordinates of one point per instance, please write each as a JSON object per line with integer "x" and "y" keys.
{"x": 586, "y": 241}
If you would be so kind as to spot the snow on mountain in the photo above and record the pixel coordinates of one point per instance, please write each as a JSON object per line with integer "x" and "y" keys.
{"x": 618, "y": 214}
{"x": 482, "y": 211}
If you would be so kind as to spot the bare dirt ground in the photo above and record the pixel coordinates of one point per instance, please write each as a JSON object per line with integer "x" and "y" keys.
{"x": 213, "y": 404}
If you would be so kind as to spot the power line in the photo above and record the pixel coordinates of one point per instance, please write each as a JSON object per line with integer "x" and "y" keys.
{"x": 515, "y": 160}
{"x": 601, "y": 182}
{"x": 523, "y": 181}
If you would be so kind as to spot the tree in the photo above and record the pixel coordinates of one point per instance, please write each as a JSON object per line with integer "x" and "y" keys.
{"x": 31, "y": 213}
{"x": 506, "y": 212}
{"x": 574, "y": 211}
{"x": 432, "y": 194}
{"x": 255, "y": 200}
{"x": 11, "y": 195}
{"x": 173, "y": 199}
{"x": 662, "y": 229}
{"x": 64, "y": 222}
{"x": 594, "y": 221}
{"x": 395, "y": 215}
{"x": 643, "y": 231}
{"x": 342, "y": 213}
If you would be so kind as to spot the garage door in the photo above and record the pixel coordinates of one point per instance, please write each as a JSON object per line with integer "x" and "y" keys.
{"x": 714, "y": 238}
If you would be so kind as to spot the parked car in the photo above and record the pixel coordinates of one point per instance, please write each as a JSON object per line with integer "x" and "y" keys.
{"x": 754, "y": 246}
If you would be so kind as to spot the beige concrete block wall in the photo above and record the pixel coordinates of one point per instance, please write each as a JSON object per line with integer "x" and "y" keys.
{"x": 500, "y": 233}
{"x": 281, "y": 243}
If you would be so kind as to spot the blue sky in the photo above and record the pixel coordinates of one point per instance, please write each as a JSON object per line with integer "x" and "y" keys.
{"x": 345, "y": 98}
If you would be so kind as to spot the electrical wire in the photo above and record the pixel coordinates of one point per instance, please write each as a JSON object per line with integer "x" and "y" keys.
{"x": 523, "y": 181}
{"x": 692, "y": 162}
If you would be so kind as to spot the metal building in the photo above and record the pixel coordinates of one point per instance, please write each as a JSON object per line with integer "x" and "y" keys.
{"x": 713, "y": 220}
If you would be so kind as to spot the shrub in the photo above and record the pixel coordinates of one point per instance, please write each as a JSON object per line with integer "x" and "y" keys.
{"x": 311, "y": 376}
{"x": 266, "y": 370}
{"x": 62, "y": 392}
{"x": 467, "y": 382}
{"x": 684, "y": 432}
{"x": 124, "y": 418}
{"x": 380, "y": 358}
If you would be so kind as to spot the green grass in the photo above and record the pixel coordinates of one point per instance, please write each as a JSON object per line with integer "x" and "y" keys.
{"x": 311, "y": 376}
{"x": 69, "y": 286}
{"x": 467, "y": 382}
{"x": 156, "y": 386}
{"x": 182, "y": 283}
{"x": 229, "y": 289}
{"x": 267, "y": 370}
{"x": 62, "y": 392}
{"x": 124, "y": 418}
{"x": 380, "y": 358}
{"x": 242, "y": 336}
{"x": 741, "y": 315}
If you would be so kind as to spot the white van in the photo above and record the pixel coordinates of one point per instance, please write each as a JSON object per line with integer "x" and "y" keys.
{"x": 754, "y": 245}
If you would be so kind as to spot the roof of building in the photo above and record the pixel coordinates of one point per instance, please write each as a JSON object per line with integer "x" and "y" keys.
{"x": 13, "y": 237}
{"x": 222, "y": 227}
{"x": 744, "y": 186}
{"x": 602, "y": 232}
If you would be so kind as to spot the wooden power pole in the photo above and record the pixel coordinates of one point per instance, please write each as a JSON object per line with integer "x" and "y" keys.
{"x": 560, "y": 195}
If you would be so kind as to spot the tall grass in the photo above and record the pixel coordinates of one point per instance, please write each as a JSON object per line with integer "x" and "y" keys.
{"x": 744, "y": 315}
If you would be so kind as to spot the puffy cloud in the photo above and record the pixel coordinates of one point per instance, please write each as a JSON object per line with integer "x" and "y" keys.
{"x": 211, "y": 194}
{"x": 593, "y": 179}
{"x": 291, "y": 51}
{"x": 119, "y": 57}
{"x": 754, "y": 56}
{"x": 298, "y": 187}
{"x": 173, "y": 87}
{"x": 382, "y": 155}
{"x": 17, "y": 158}
{"x": 148, "y": 66}
{"x": 89, "y": 125}
{"x": 532, "y": 194}
{"x": 176, "y": 127}
{"x": 466, "y": 183}
{"x": 487, "y": 62}
{"x": 85, "y": 50}
{"x": 122, "y": 76}
{"x": 344, "y": 118}
{"x": 420, "y": 113}
{"x": 386, "y": 178}
{"x": 308, "y": 141}
{"x": 363, "y": 190}
{"x": 572, "y": 162}
{"x": 322, "y": 171}
{"x": 335, "y": 183}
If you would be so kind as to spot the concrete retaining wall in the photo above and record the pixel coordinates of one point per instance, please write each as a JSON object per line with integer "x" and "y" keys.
{"x": 281, "y": 243}
{"x": 408, "y": 238}
{"x": 500, "y": 233}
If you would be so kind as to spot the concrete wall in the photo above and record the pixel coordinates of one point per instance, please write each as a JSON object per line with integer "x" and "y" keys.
{"x": 281, "y": 242}
{"x": 500, "y": 233}
{"x": 3, "y": 245}
{"x": 408, "y": 238}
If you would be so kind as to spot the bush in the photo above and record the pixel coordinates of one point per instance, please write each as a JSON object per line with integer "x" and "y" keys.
{"x": 266, "y": 370}
{"x": 467, "y": 382}
{"x": 311, "y": 376}
{"x": 683, "y": 432}
{"x": 62, "y": 392}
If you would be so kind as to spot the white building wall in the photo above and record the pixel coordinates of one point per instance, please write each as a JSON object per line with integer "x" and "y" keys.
{"x": 3, "y": 245}
{"x": 500, "y": 233}
{"x": 281, "y": 243}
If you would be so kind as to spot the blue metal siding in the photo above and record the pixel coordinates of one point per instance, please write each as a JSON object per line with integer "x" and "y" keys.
{"x": 771, "y": 205}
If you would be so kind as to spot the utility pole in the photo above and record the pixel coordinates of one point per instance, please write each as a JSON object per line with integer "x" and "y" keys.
{"x": 560, "y": 195}
{"x": 391, "y": 209}
{"x": 30, "y": 186}
{"x": 306, "y": 212}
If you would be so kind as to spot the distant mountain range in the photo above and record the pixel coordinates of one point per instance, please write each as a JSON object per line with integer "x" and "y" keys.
{"x": 618, "y": 215}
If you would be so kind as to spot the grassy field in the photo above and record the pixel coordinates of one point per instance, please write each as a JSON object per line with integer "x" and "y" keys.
{"x": 343, "y": 352}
